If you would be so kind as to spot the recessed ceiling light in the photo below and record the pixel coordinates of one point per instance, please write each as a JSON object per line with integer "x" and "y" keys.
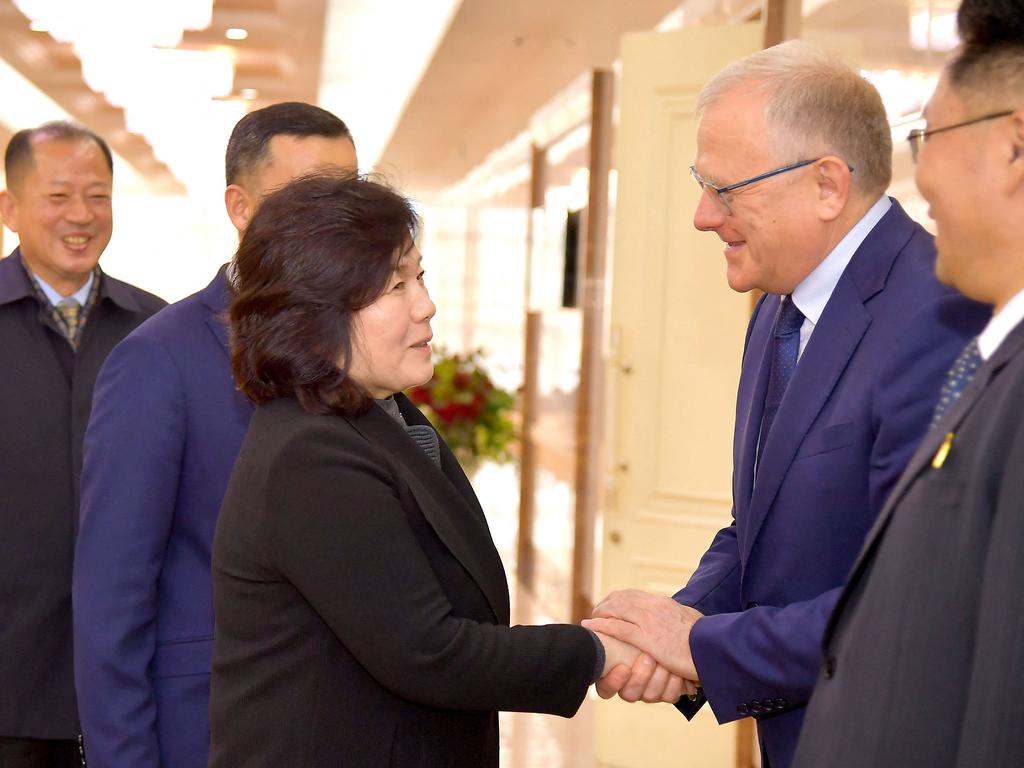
{"x": 38, "y": 26}
{"x": 236, "y": 33}
{"x": 248, "y": 93}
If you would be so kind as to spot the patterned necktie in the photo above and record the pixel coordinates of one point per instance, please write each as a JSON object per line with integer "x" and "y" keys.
{"x": 70, "y": 312}
{"x": 785, "y": 350}
{"x": 957, "y": 379}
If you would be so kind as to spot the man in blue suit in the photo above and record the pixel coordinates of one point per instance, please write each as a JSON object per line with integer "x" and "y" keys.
{"x": 843, "y": 362}
{"x": 166, "y": 428}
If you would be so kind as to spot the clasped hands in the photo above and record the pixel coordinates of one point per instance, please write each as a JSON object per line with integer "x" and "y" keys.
{"x": 647, "y": 647}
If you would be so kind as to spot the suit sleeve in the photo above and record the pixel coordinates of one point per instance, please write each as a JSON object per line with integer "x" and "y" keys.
{"x": 133, "y": 450}
{"x": 774, "y": 653}
{"x": 355, "y": 559}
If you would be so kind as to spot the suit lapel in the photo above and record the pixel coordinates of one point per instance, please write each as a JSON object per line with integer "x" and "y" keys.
{"x": 835, "y": 338}
{"x": 757, "y": 365}
{"x": 459, "y": 524}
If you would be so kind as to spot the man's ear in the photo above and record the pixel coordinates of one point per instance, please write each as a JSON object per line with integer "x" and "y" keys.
{"x": 9, "y": 210}
{"x": 239, "y": 206}
{"x": 832, "y": 177}
{"x": 1016, "y": 164}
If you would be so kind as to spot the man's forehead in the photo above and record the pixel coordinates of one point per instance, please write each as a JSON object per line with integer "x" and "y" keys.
{"x": 59, "y": 160}
{"x": 326, "y": 150}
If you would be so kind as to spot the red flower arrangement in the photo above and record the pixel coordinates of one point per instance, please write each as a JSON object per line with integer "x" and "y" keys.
{"x": 470, "y": 413}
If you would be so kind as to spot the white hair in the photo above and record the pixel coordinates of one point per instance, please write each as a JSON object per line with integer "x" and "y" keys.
{"x": 814, "y": 104}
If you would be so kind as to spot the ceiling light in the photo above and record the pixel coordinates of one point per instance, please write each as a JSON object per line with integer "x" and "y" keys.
{"x": 148, "y": 22}
{"x": 167, "y": 93}
{"x": 933, "y": 25}
{"x": 236, "y": 33}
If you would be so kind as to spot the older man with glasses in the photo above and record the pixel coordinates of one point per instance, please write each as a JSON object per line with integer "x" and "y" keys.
{"x": 926, "y": 647}
{"x": 842, "y": 367}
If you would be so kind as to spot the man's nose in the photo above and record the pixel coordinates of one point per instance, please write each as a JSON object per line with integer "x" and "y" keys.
{"x": 709, "y": 214}
{"x": 78, "y": 210}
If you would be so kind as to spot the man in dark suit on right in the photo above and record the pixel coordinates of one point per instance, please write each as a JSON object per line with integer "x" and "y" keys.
{"x": 924, "y": 655}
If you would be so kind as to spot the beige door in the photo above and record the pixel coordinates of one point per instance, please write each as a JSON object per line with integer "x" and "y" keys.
{"x": 677, "y": 336}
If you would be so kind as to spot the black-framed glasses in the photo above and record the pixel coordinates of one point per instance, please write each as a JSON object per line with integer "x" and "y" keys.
{"x": 722, "y": 193}
{"x": 917, "y": 137}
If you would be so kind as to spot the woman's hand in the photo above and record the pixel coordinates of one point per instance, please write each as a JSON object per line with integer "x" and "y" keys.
{"x": 616, "y": 653}
{"x": 643, "y": 680}
{"x": 635, "y": 676}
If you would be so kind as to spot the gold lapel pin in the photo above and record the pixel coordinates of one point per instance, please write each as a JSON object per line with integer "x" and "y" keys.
{"x": 943, "y": 452}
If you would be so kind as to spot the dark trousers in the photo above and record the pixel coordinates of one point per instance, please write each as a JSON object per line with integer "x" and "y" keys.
{"x": 39, "y": 753}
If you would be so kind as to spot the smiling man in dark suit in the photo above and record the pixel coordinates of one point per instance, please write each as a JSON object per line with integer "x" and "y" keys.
{"x": 60, "y": 316}
{"x": 794, "y": 157}
{"x": 924, "y": 654}
{"x": 167, "y": 425}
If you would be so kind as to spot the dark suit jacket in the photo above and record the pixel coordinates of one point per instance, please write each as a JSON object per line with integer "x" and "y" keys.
{"x": 844, "y": 431}
{"x": 166, "y": 428}
{"x": 362, "y": 609}
{"x": 925, "y": 651}
{"x": 43, "y": 413}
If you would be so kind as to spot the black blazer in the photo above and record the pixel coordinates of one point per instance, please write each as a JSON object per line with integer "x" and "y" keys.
{"x": 361, "y": 607}
{"x": 924, "y": 655}
{"x": 45, "y": 400}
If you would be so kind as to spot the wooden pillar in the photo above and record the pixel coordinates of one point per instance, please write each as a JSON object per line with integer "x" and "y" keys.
{"x": 589, "y": 401}
{"x": 525, "y": 552}
{"x": 782, "y": 21}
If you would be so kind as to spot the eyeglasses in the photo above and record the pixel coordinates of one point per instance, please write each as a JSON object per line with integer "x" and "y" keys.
{"x": 918, "y": 136}
{"x": 722, "y": 194}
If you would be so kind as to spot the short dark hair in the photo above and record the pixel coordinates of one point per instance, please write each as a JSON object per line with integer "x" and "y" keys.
{"x": 19, "y": 160}
{"x": 317, "y": 250}
{"x": 250, "y": 139}
{"x": 989, "y": 64}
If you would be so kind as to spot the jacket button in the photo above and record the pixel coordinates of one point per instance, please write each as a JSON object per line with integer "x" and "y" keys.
{"x": 830, "y": 667}
{"x": 755, "y": 706}
{"x": 743, "y": 709}
{"x": 780, "y": 703}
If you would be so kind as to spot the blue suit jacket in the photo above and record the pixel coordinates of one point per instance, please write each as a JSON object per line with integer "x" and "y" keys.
{"x": 860, "y": 400}
{"x": 166, "y": 427}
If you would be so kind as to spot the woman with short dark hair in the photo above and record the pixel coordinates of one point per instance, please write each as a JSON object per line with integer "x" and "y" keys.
{"x": 362, "y": 609}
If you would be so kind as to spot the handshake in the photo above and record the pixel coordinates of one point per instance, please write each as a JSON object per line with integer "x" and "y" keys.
{"x": 647, "y": 647}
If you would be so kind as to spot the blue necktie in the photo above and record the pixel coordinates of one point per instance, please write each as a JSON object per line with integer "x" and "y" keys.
{"x": 785, "y": 350}
{"x": 957, "y": 379}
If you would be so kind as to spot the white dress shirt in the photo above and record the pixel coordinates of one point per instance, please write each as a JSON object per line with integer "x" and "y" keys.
{"x": 999, "y": 327}
{"x": 814, "y": 291}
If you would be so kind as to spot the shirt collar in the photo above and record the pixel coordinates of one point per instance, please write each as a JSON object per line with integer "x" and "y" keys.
{"x": 999, "y": 327}
{"x": 81, "y": 295}
{"x": 814, "y": 291}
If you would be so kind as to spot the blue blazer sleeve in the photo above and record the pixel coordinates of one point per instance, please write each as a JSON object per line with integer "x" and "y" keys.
{"x": 133, "y": 450}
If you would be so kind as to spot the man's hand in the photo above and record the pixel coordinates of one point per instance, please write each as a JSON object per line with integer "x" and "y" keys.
{"x": 657, "y": 625}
